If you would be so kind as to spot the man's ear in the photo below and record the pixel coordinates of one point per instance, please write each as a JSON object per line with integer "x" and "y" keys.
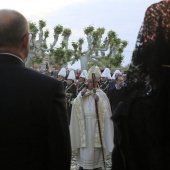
{"x": 25, "y": 41}
{"x": 24, "y": 47}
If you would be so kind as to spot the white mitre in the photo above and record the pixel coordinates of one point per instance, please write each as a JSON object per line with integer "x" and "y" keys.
{"x": 117, "y": 71}
{"x": 71, "y": 75}
{"x": 83, "y": 74}
{"x": 96, "y": 71}
{"x": 62, "y": 72}
{"x": 106, "y": 73}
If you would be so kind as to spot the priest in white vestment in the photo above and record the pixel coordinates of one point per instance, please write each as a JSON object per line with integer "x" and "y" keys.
{"x": 85, "y": 138}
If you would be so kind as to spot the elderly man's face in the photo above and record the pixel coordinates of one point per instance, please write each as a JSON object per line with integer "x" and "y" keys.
{"x": 90, "y": 84}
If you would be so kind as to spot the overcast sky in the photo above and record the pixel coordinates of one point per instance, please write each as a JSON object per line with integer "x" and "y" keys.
{"x": 122, "y": 16}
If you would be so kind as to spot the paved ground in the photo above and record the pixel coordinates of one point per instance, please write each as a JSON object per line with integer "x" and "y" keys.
{"x": 75, "y": 166}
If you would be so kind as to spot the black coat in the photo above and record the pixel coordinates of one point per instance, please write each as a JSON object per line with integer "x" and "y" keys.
{"x": 70, "y": 96}
{"x": 34, "y": 133}
{"x": 115, "y": 96}
{"x": 110, "y": 87}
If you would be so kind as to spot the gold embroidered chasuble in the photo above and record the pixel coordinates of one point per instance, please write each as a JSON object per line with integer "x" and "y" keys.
{"x": 79, "y": 118}
{"x": 85, "y": 139}
{"x": 101, "y": 111}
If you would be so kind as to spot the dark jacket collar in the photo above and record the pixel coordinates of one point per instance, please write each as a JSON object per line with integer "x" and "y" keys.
{"x": 7, "y": 58}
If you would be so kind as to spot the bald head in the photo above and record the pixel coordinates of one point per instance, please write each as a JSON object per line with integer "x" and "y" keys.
{"x": 13, "y": 26}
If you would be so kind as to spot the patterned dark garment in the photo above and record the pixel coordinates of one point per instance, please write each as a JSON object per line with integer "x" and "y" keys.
{"x": 151, "y": 21}
{"x": 143, "y": 117}
{"x": 152, "y": 46}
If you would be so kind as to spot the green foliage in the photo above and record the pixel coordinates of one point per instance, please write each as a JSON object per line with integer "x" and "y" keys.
{"x": 68, "y": 54}
{"x": 88, "y": 29}
{"x": 100, "y": 31}
{"x": 61, "y": 56}
{"x": 117, "y": 60}
{"x": 42, "y": 24}
{"x": 81, "y": 41}
{"x": 58, "y": 55}
{"x": 124, "y": 44}
{"x": 38, "y": 60}
{"x": 46, "y": 34}
{"x": 63, "y": 44}
{"x": 78, "y": 48}
{"x": 75, "y": 46}
{"x": 111, "y": 35}
{"x": 66, "y": 32}
{"x": 111, "y": 58}
{"x": 95, "y": 36}
{"x": 33, "y": 29}
{"x": 44, "y": 45}
{"x": 58, "y": 29}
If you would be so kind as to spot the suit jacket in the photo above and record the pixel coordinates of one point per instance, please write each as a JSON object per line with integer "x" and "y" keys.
{"x": 116, "y": 96}
{"x": 110, "y": 87}
{"x": 34, "y": 132}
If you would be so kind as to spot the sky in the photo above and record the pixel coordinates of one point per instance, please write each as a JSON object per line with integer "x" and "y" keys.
{"x": 122, "y": 16}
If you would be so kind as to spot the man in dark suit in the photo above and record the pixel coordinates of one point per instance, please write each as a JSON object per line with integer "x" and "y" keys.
{"x": 117, "y": 96}
{"x": 112, "y": 83}
{"x": 117, "y": 93}
{"x": 34, "y": 132}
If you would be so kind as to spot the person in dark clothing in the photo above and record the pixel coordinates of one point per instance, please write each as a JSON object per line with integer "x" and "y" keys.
{"x": 112, "y": 82}
{"x": 144, "y": 115}
{"x": 116, "y": 96}
{"x": 70, "y": 93}
{"x": 61, "y": 77}
{"x": 82, "y": 80}
{"x": 34, "y": 131}
{"x": 105, "y": 79}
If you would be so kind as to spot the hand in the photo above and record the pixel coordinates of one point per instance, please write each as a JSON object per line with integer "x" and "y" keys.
{"x": 96, "y": 97}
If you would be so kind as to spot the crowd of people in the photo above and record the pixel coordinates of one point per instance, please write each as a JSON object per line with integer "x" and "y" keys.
{"x": 83, "y": 111}
{"x": 124, "y": 116}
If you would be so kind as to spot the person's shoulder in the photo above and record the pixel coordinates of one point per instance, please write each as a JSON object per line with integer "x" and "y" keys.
{"x": 38, "y": 76}
{"x": 153, "y": 7}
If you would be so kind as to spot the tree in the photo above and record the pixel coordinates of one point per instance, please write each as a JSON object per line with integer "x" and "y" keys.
{"x": 62, "y": 55}
{"x": 39, "y": 50}
{"x": 105, "y": 54}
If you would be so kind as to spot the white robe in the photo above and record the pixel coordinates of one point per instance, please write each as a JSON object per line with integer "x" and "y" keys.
{"x": 85, "y": 140}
